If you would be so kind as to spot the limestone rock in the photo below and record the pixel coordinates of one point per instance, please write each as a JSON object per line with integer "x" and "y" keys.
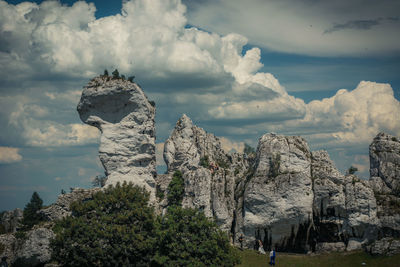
{"x": 125, "y": 117}
{"x": 61, "y": 208}
{"x": 278, "y": 198}
{"x": 7, "y": 246}
{"x": 329, "y": 204}
{"x": 10, "y": 220}
{"x": 362, "y": 221}
{"x": 35, "y": 250}
{"x": 385, "y": 246}
{"x": 194, "y": 152}
{"x": 384, "y": 154}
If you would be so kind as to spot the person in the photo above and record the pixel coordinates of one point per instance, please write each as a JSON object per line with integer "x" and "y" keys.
{"x": 260, "y": 247}
{"x": 241, "y": 239}
{"x": 272, "y": 257}
{"x": 3, "y": 262}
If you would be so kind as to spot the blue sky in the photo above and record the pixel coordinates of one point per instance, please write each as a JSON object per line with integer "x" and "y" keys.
{"x": 239, "y": 69}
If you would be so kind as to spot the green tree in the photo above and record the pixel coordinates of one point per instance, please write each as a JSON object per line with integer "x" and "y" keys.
{"x": 352, "y": 170}
{"x": 176, "y": 189}
{"x": 31, "y": 215}
{"x": 114, "y": 228}
{"x": 105, "y": 72}
{"x": 186, "y": 237}
{"x": 115, "y": 74}
{"x": 131, "y": 78}
{"x": 99, "y": 180}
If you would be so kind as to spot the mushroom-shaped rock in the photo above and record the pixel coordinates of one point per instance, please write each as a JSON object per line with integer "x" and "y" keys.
{"x": 125, "y": 117}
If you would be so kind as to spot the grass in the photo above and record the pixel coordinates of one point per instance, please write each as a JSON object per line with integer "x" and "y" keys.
{"x": 254, "y": 259}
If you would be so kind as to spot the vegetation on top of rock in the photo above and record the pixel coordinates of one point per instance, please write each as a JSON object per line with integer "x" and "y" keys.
{"x": 205, "y": 162}
{"x": 99, "y": 180}
{"x": 352, "y": 170}
{"x": 176, "y": 189}
{"x": 31, "y": 215}
{"x": 116, "y": 75}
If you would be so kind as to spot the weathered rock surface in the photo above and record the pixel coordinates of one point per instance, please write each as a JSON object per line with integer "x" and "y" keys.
{"x": 35, "y": 251}
{"x": 385, "y": 246}
{"x": 9, "y": 220}
{"x": 362, "y": 221}
{"x": 193, "y": 151}
{"x": 384, "y": 155}
{"x": 278, "y": 197}
{"x": 8, "y": 246}
{"x": 125, "y": 117}
{"x": 385, "y": 181}
{"x": 61, "y": 208}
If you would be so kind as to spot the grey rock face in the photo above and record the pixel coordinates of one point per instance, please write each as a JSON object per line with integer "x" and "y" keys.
{"x": 384, "y": 154}
{"x": 9, "y": 220}
{"x": 362, "y": 221}
{"x": 278, "y": 198}
{"x": 193, "y": 151}
{"x": 329, "y": 204}
{"x": 61, "y": 208}
{"x": 385, "y": 181}
{"x": 385, "y": 246}
{"x": 8, "y": 244}
{"x": 35, "y": 251}
{"x": 125, "y": 117}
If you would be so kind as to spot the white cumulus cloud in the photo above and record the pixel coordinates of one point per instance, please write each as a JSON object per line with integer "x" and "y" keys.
{"x": 9, "y": 154}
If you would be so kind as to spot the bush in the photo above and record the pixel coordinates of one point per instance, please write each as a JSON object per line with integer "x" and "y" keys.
{"x": 99, "y": 180}
{"x": 115, "y": 74}
{"x": 31, "y": 215}
{"x": 352, "y": 170}
{"x": 176, "y": 189}
{"x": 115, "y": 228}
{"x": 186, "y": 237}
{"x": 205, "y": 162}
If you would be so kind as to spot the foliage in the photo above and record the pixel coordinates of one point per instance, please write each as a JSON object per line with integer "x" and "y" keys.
{"x": 159, "y": 193}
{"x": 105, "y": 72}
{"x": 152, "y": 103}
{"x": 31, "y": 215}
{"x": 187, "y": 238}
{"x": 114, "y": 228}
{"x": 176, "y": 189}
{"x": 115, "y": 74}
{"x": 394, "y": 139}
{"x": 20, "y": 235}
{"x": 274, "y": 165}
{"x": 352, "y": 170}
{"x": 205, "y": 162}
{"x": 248, "y": 149}
{"x": 99, "y": 180}
{"x": 222, "y": 163}
{"x": 131, "y": 78}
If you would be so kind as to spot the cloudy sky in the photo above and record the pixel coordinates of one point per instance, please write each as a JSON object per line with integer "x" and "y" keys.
{"x": 325, "y": 70}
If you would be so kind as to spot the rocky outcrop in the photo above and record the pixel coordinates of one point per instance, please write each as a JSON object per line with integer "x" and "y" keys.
{"x": 35, "y": 250}
{"x": 61, "y": 208}
{"x": 386, "y": 246}
{"x": 329, "y": 205}
{"x": 9, "y": 221}
{"x": 208, "y": 171}
{"x": 384, "y": 155}
{"x": 278, "y": 197}
{"x": 125, "y": 117}
{"x": 385, "y": 180}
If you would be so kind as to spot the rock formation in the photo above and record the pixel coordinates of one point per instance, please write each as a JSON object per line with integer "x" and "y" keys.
{"x": 125, "y": 117}
{"x": 208, "y": 172}
{"x": 9, "y": 221}
{"x": 278, "y": 196}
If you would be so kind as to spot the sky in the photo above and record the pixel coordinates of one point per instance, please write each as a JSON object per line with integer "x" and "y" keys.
{"x": 325, "y": 70}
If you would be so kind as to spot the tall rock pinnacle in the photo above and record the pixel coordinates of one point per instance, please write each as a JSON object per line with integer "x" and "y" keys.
{"x": 125, "y": 117}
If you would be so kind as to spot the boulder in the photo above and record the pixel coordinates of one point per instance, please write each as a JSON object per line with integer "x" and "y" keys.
{"x": 125, "y": 118}
{"x": 386, "y": 246}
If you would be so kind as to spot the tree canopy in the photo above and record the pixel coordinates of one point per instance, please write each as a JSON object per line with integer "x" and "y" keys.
{"x": 31, "y": 215}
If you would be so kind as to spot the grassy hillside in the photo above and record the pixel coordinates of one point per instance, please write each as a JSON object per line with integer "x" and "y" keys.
{"x": 253, "y": 259}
